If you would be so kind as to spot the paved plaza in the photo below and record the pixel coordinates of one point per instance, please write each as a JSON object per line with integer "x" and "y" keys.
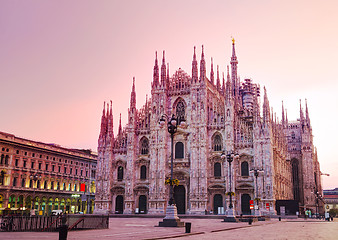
{"x": 145, "y": 228}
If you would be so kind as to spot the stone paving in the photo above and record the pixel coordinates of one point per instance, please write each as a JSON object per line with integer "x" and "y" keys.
{"x": 146, "y": 228}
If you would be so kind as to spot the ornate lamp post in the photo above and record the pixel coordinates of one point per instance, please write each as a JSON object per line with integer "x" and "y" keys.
{"x": 230, "y": 211}
{"x": 34, "y": 178}
{"x": 171, "y": 219}
{"x": 256, "y": 172}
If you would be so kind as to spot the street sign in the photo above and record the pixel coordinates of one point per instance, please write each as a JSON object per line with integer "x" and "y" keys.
{"x": 267, "y": 206}
{"x": 251, "y": 204}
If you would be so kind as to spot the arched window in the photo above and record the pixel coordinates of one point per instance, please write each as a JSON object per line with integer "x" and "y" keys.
{"x": 144, "y": 146}
{"x": 38, "y": 184}
{"x": 2, "y": 178}
{"x": 45, "y": 185}
{"x": 179, "y": 150}
{"x": 2, "y": 159}
{"x": 217, "y": 143}
{"x": 245, "y": 169}
{"x": 217, "y": 170}
{"x": 6, "y": 160}
{"x": 180, "y": 110}
{"x": 120, "y": 173}
{"x": 143, "y": 173}
{"x": 293, "y": 136}
{"x": 31, "y": 183}
{"x": 52, "y": 185}
{"x": 23, "y": 182}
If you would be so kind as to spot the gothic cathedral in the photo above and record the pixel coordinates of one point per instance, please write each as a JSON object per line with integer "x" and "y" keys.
{"x": 276, "y": 163}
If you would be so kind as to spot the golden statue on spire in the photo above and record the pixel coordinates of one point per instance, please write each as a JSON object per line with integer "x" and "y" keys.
{"x": 233, "y": 40}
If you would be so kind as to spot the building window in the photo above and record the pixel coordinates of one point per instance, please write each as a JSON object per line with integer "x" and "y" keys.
{"x": 2, "y": 159}
{"x": 217, "y": 143}
{"x": 58, "y": 186}
{"x": 59, "y": 169}
{"x": 74, "y": 187}
{"x": 23, "y": 182}
{"x": 17, "y": 151}
{"x": 75, "y": 171}
{"x": 14, "y": 181}
{"x": 24, "y": 163}
{"x": 86, "y": 173}
{"x": 71, "y": 171}
{"x": 38, "y": 184}
{"x": 293, "y": 136}
{"x": 143, "y": 173}
{"x": 217, "y": 170}
{"x": 53, "y": 168}
{"x": 69, "y": 187}
{"x": 120, "y": 173}
{"x": 6, "y": 159}
{"x": 16, "y": 162}
{"x": 144, "y": 146}
{"x": 93, "y": 173}
{"x": 65, "y": 170}
{"x": 52, "y": 185}
{"x": 2, "y": 178}
{"x": 45, "y": 185}
{"x": 40, "y": 164}
{"x": 32, "y": 165}
{"x": 180, "y": 110}
{"x": 64, "y": 186}
{"x": 31, "y": 183}
{"x": 81, "y": 172}
{"x": 245, "y": 169}
{"x": 179, "y": 150}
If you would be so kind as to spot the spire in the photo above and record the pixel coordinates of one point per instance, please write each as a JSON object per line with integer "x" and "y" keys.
{"x": 110, "y": 122}
{"x": 283, "y": 119}
{"x": 218, "y": 83}
{"x": 266, "y": 108}
{"x": 194, "y": 67}
{"x": 120, "y": 127}
{"x": 202, "y": 67}
{"x": 103, "y": 121}
{"x": 301, "y": 111}
{"x": 133, "y": 96}
{"x": 233, "y": 63}
{"x": 223, "y": 84}
{"x": 156, "y": 73}
{"x": 307, "y": 114}
{"x": 163, "y": 71}
{"x": 228, "y": 85}
{"x": 212, "y": 72}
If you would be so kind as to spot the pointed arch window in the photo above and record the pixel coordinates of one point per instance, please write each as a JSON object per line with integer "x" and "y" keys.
{"x": 120, "y": 173}
{"x": 217, "y": 170}
{"x": 179, "y": 150}
{"x": 217, "y": 143}
{"x": 144, "y": 149}
{"x": 143, "y": 172}
{"x": 245, "y": 169}
{"x": 180, "y": 110}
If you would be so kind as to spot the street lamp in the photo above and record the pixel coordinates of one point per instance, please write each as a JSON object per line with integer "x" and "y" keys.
{"x": 256, "y": 172}
{"x": 171, "y": 219}
{"x": 34, "y": 178}
{"x": 230, "y": 212}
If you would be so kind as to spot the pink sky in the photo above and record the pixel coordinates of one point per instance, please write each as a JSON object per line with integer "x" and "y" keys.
{"x": 59, "y": 60}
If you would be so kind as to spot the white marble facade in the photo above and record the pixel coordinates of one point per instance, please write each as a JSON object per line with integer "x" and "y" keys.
{"x": 222, "y": 115}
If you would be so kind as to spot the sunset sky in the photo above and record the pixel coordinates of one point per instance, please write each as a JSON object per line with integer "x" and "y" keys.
{"x": 60, "y": 60}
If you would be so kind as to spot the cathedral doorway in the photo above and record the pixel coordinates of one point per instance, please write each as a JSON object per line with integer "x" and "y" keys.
{"x": 245, "y": 204}
{"x": 218, "y": 202}
{"x": 119, "y": 204}
{"x": 142, "y": 204}
{"x": 179, "y": 196}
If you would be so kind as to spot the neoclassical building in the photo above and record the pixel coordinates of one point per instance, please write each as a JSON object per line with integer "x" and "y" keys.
{"x": 222, "y": 114}
{"x": 45, "y": 177}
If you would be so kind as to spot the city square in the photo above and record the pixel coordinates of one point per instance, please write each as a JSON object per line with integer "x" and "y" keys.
{"x": 147, "y": 228}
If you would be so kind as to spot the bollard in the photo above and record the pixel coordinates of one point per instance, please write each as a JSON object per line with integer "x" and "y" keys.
{"x": 187, "y": 227}
{"x": 250, "y": 221}
{"x": 63, "y": 231}
{"x": 280, "y": 219}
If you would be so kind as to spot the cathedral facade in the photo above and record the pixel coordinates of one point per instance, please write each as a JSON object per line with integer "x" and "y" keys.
{"x": 222, "y": 115}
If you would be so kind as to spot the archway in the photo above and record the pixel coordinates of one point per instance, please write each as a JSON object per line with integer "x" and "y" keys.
{"x": 179, "y": 196}
{"x": 245, "y": 204}
{"x": 142, "y": 204}
{"x": 218, "y": 202}
{"x": 119, "y": 204}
